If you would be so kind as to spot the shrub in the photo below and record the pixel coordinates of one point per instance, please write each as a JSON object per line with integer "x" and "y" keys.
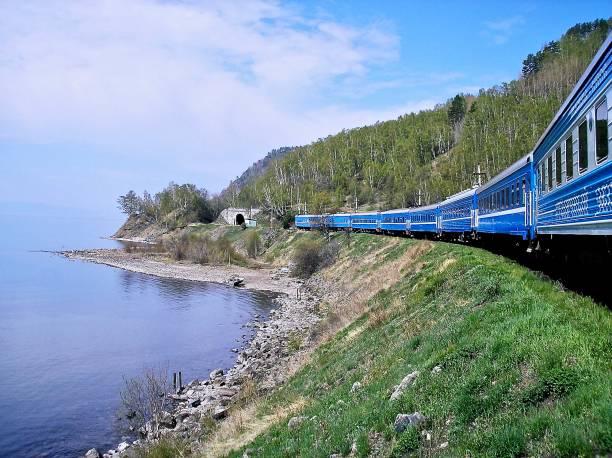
{"x": 143, "y": 400}
{"x": 201, "y": 248}
{"x": 288, "y": 219}
{"x": 253, "y": 244}
{"x": 408, "y": 441}
{"x": 312, "y": 255}
{"x": 177, "y": 246}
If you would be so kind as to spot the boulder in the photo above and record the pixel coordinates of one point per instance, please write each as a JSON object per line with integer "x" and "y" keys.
{"x": 436, "y": 370}
{"x": 216, "y": 374}
{"x": 404, "y": 421}
{"x": 296, "y": 421}
{"x": 123, "y": 446}
{"x": 166, "y": 420}
{"x": 356, "y": 386}
{"x": 93, "y": 453}
{"x": 405, "y": 383}
{"x": 220, "y": 412}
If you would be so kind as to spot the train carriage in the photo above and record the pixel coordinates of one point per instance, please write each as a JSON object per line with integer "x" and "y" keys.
{"x": 563, "y": 187}
{"x": 572, "y": 158}
{"x": 504, "y": 203}
{"x": 339, "y": 221}
{"x": 424, "y": 219}
{"x": 308, "y": 221}
{"x": 457, "y": 213}
{"x": 395, "y": 220}
{"x": 365, "y": 221}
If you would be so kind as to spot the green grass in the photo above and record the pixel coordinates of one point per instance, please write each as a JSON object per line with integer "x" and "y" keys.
{"x": 525, "y": 367}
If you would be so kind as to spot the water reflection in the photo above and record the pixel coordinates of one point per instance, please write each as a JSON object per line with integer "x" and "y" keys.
{"x": 70, "y": 330}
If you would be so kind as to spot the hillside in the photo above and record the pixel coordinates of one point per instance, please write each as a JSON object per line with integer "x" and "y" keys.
{"x": 435, "y": 152}
{"x": 250, "y": 175}
{"x": 507, "y": 363}
{"x": 496, "y": 359}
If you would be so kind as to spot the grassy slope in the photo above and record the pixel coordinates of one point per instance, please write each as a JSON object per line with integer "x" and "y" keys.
{"x": 525, "y": 366}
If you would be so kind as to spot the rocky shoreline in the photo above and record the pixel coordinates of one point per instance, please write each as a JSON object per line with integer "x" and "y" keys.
{"x": 262, "y": 364}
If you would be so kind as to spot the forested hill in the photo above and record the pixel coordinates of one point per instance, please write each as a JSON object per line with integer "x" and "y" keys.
{"x": 250, "y": 175}
{"x": 434, "y": 152}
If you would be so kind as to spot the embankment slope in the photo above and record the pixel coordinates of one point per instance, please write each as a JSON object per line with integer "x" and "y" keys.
{"x": 509, "y": 364}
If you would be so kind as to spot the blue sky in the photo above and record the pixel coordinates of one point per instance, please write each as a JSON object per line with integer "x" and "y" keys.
{"x": 97, "y": 98}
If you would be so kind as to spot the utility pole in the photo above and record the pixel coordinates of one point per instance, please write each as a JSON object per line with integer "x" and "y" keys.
{"x": 419, "y": 198}
{"x": 478, "y": 175}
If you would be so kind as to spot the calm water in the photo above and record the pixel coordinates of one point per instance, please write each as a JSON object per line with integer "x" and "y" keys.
{"x": 69, "y": 332}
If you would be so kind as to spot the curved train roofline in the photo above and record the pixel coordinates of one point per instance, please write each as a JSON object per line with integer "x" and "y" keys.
{"x": 601, "y": 54}
{"x": 518, "y": 165}
{"x": 520, "y": 201}
{"x": 458, "y": 196}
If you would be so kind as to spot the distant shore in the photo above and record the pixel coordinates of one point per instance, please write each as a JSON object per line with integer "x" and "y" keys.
{"x": 261, "y": 279}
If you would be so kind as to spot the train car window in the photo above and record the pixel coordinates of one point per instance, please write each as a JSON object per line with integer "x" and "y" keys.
{"x": 549, "y": 171}
{"x": 601, "y": 131}
{"x": 512, "y": 201}
{"x": 583, "y": 148}
{"x": 541, "y": 178}
{"x": 523, "y": 192}
{"x": 569, "y": 158}
{"x": 507, "y": 197}
{"x": 558, "y": 169}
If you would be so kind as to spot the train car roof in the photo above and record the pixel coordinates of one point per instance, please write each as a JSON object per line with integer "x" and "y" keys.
{"x": 364, "y": 213}
{"x": 460, "y": 195}
{"x": 522, "y": 162}
{"x": 578, "y": 87}
{"x": 397, "y": 210}
{"x": 424, "y": 208}
{"x": 305, "y": 216}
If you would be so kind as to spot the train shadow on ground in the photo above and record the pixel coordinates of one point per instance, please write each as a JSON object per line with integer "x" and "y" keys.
{"x": 586, "y": 272}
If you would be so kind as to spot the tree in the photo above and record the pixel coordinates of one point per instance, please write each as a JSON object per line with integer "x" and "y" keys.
{"x": 457, "y": 109}
{"x": 130, "y": 203}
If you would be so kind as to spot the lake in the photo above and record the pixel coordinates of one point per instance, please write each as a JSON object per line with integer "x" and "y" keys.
{"x": 70, "y": 331}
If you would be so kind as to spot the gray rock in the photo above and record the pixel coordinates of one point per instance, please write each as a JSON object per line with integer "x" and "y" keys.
{"x": 166, "y": 420}
{"x": 123, "y": 446}
{"x": 296, "y": 421}
{"x": 405, "y": 383}
{"x": 403, "y": 421}
{"x": 220, "y": 412}
{"x": 216, "y": 373}
{"x": 93, "y": 453}
{"x": 436, "y": 370}
{"x": 356, "y": 386}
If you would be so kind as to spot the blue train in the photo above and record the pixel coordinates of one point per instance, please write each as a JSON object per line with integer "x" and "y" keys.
{"x": 561, "y": 189}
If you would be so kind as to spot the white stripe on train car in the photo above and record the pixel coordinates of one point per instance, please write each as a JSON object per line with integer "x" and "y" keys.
{"x": 455, "y": 219}
{"x": 577, "y": 223}
{"x": 505, "y": 212}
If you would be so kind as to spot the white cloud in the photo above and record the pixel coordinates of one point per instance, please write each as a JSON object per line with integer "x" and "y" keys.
{"x": 215, "y": 85}
{"x": 500, "y": 31}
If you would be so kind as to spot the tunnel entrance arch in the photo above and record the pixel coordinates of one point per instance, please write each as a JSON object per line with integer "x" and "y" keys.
{"x": 239, "y": 219}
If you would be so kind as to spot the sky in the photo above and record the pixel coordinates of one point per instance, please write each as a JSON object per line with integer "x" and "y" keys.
{"x": 100, "y": 97}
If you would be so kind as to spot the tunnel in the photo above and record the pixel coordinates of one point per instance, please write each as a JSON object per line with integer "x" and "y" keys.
{"x": 239, "y": 219}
